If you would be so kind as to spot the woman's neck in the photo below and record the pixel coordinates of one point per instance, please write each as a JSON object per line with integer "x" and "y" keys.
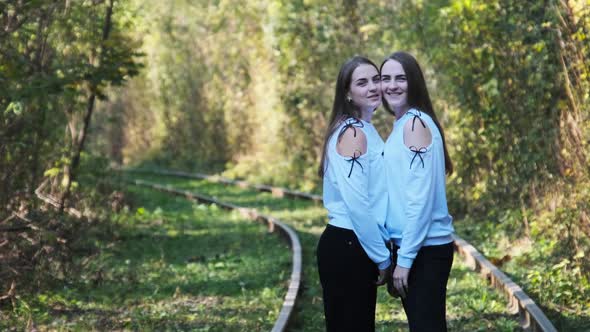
{"x": 367, "y": 114}
{"x": 400, "y": 111}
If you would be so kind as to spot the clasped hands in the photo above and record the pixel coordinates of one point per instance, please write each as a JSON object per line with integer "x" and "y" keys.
{"x": 397, "y": 284}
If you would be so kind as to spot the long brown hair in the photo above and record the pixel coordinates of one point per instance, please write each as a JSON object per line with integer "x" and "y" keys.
{"x": 342, "y": 108}
{"x": 418, "y": 96}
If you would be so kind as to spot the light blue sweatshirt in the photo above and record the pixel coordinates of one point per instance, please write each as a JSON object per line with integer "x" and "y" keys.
{"x": 417, "y": 211}
{"x": 354, "y": 192}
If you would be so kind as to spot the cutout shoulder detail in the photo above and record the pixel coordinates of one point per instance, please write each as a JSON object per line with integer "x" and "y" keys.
{"x": 416, "y": 115}
{"x": 417, "y": 135}
{"x": 352, "y": 144}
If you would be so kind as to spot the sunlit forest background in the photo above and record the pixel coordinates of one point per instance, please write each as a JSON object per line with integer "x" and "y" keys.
{"x": 244, "y": 88}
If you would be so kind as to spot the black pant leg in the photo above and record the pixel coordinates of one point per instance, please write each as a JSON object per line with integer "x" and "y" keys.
{"x": 348, "y": 279}
{"x": 425, "y": 305}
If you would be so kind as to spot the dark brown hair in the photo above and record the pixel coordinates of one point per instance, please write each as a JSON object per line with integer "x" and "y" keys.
{"x": 342, "y": 108}
{"x": 418, "y": 96}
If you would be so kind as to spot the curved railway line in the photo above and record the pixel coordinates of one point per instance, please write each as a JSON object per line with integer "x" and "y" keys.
{"x": 531, "y": 317}
{"x": 274, "y": 225}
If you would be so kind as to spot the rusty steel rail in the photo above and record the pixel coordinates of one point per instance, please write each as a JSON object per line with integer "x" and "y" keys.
{"x": 531, "y": 317}
{"x": 273, "y": 224}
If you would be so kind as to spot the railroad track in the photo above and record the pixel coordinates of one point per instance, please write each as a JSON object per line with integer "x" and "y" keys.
{"x": 273, "y": 224}
{"x": 531, "y": 317}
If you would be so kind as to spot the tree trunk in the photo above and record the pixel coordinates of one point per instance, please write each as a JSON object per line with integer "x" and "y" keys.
{"x": 79, "y": 140}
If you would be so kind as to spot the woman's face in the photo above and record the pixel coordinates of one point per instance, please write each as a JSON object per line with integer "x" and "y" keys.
{"x": 364, "y": 87}
{"x": 394, "y": 85}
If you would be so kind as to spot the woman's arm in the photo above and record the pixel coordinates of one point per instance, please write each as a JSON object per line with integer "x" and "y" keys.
{"x": 419, "y": 197}
{"x": 354, "y": 188}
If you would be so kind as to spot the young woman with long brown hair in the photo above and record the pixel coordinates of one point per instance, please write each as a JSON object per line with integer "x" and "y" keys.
{"x": 418, "y": 220}
{"x": 352, "y": 256}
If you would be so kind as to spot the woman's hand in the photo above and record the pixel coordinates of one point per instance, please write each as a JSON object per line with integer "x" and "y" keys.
{"x": 400, "y": 280}
{"x": 383, "y": 276}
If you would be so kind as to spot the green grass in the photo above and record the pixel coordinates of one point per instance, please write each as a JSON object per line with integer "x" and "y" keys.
{"x": 170, "y": 265}
{"x": 539, "y": 268}
{"x": 472, "y": 305}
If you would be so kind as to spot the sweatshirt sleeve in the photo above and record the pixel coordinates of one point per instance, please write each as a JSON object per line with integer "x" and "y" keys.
{"x": 353, "y": 182}
{"x": 419, "y": 203}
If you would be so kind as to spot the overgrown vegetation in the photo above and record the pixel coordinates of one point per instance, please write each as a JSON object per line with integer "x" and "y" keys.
{"x": 536, "y": 268}
{"x": 510, "y": 80}
{"x": 244, "y": 88}
{"x": 56, "y": 59}
{"x": 515, "y": 80}
{"x": 473, "y": 306}
{"x": 41, "y": 247}
{"x": 168, "y": 264}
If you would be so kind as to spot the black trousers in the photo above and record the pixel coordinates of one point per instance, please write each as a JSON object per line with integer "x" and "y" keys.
{"x": 348, "y": 280}
{"x": 425, "y": 303}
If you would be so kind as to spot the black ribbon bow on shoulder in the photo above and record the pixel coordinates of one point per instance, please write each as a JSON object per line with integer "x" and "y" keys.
{"x": 417, "y": 153}
{"x": 352, "y": 160}
{"x": 352, "y": 123}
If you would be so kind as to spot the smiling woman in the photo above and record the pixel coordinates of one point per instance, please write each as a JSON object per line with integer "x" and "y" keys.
{"x": 352, "y": 249}
{"x": 364, "y": 90}
{"x": 394, "y": 84}
{"x": 418, "y": 220}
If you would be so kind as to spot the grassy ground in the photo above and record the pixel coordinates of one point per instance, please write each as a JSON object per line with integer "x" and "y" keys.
{"x": 170, "y": 264}
{"x": 550, "y": 282}
{"x": 471, "y": 306}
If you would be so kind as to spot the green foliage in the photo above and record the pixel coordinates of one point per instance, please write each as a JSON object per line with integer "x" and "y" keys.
{"x": 249, "y": 87}
{"x": 509, "y": 79}
{"x": 549, "y": 261}
{"x": 550, "y": 265}
{"x": 472, "y": 306}
{"x": 493, "y": 60}
{"x": 52, "y": 58}
{"x": 52, "y": 172}
{"x": 15, "y": 108}
{"x": 175, "y": 266}
{"x": 245, "y": 87}
{"x": 565, "y": 279}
